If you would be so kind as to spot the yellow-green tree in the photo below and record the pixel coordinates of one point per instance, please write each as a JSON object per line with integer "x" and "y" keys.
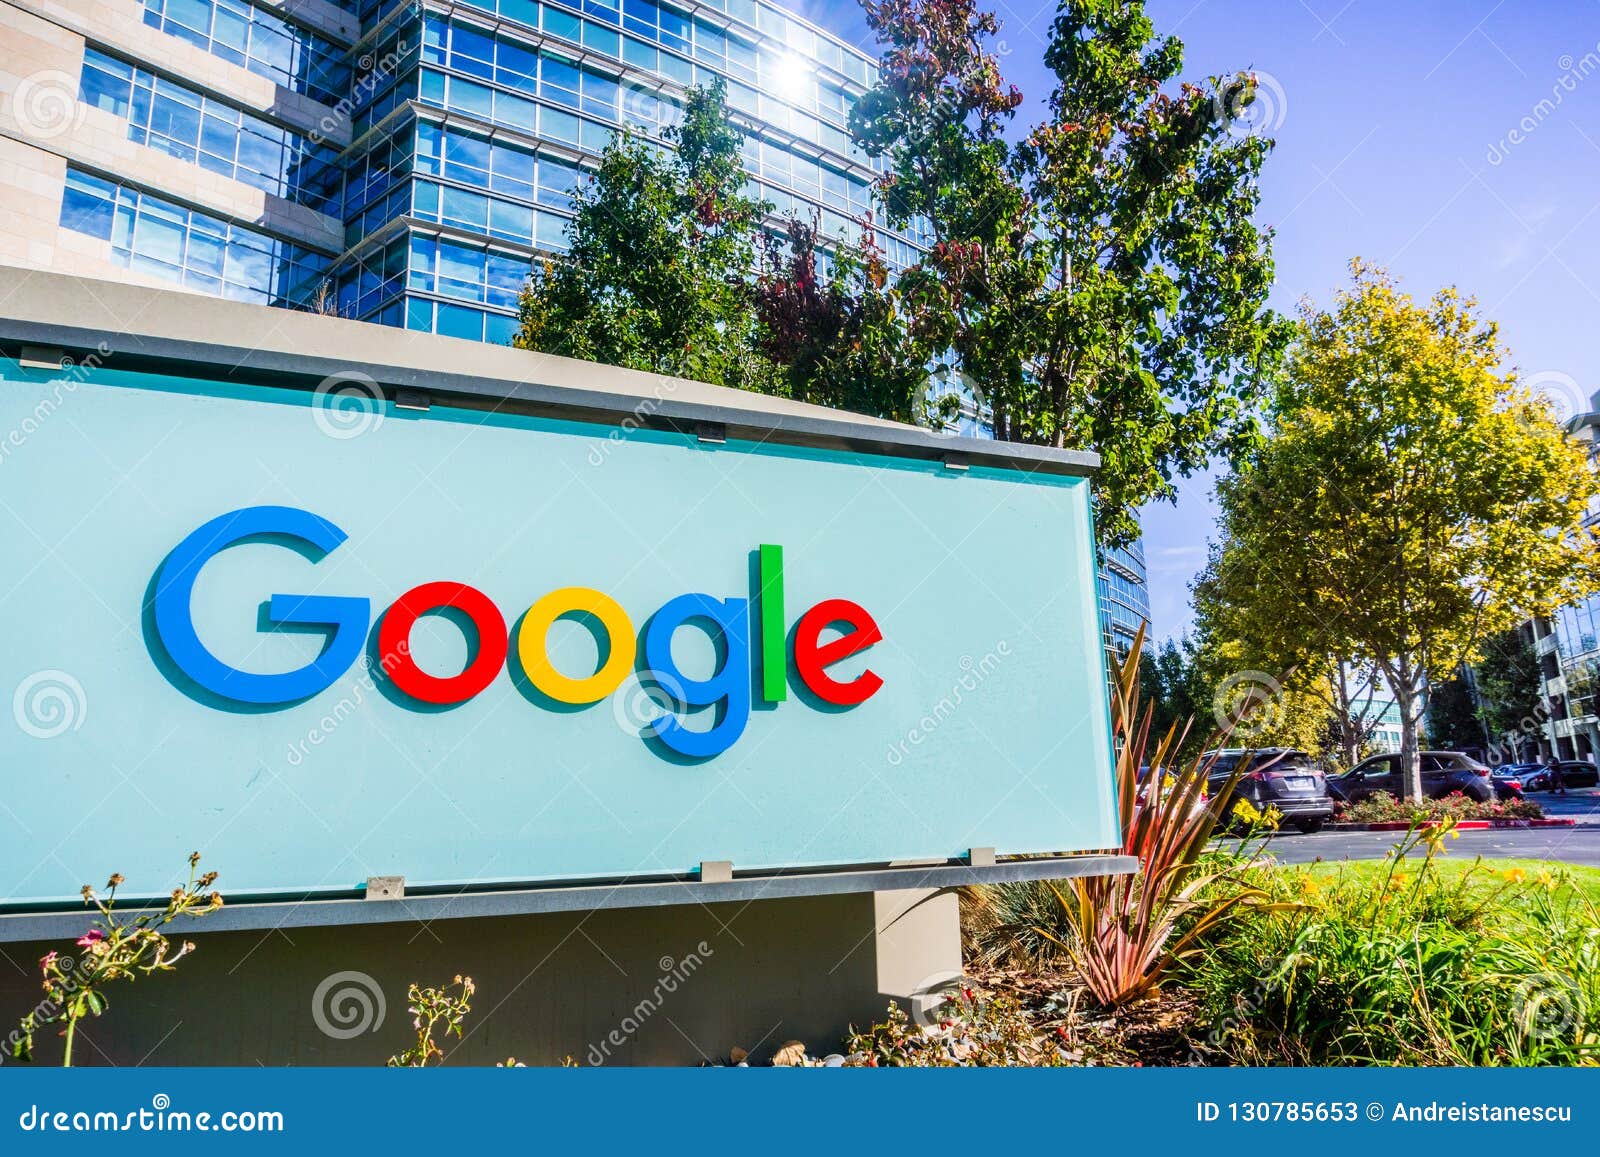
{"x": 1411, "y": 500}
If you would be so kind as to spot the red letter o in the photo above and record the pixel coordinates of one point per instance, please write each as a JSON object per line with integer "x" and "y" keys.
{"x": 394, "y": 642}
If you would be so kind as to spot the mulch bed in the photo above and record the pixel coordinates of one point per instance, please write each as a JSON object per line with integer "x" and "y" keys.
{"x": 1152, "y": 1032}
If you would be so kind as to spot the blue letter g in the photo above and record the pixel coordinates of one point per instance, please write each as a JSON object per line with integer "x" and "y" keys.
{"x": 175, "y": 624}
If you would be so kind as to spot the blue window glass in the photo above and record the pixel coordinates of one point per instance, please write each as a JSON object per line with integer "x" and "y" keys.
{"x": 106, "y": 83}
{"x": 459, "y": 321}
{"x": 522, "y": 11}
{"x": 551, "y": 232}
{"x": 516, "y": 111}
{"x": 472, "y": 51}
{"x": 562, "y": 24}
{"x": 517, "y": 67}
{"x": 170, "y": 241}
{"x": 511, "y": 222}
{"x": 419, "y": 314}
{"x": 600, "y": 95}
{"x": 558, "y": 81}
{"x": 220, "y": 138}
{"x": 558, "y": 125}
{"x": 464, "y": 209}
{"x": 472, "y": 98}
{"x": 498, "y": 329}
{"x": 87, "y": 204}
{"x": 260, "y": 40}
{"x": 638, "y": 53}
{"x": 432, "y": 87}
{"x": 606, "y": 40}
{"x": 425, "y": 200}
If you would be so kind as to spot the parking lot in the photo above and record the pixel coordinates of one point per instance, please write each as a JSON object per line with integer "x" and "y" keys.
{"x": 1579, "y": 844}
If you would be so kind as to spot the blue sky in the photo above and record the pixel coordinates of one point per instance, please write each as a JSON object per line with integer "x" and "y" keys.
{"x": 1394, "y": 122}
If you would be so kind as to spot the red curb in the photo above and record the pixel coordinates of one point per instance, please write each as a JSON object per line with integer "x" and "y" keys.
{"x": 1461, "y": 825}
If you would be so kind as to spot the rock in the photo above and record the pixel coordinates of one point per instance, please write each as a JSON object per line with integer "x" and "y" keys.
{"x": 790, "y": 1054}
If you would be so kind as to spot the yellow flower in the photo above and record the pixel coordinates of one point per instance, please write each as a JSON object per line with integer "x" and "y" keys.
{"x": 1516, "y": 875}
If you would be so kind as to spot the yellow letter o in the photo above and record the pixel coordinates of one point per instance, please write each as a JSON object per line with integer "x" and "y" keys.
{"x": 535, "y": 656}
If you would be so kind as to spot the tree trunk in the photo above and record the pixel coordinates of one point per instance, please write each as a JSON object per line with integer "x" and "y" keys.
{"x": 1407, "y": 698}
{"x": 1348, "y": 741}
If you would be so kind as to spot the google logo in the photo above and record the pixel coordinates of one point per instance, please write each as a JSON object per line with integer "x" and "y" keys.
{"x": 349, "y": 618}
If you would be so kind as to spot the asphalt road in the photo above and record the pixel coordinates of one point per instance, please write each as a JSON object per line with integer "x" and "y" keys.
{"x": 1575, "y": 845}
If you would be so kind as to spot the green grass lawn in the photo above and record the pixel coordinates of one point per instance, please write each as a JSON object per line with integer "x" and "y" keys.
{"x": 1477, "y": 874}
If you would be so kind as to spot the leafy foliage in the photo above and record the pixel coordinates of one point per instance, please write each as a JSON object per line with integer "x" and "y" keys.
{"x": 437, "y": 1011}
{"x": 1102, "y": 282}
{"x": 1411, "y": 964}
{"x": 113, "y": 949}
{"x": 661, "y": 247}
{"x": 845, "y": 341}
{"x": 1453, "y": 721}
{"x": 1512, "y": 687}
{"x": 1384, "y": 808}
{"x": 1432, "y": 499}
{"x": 1125, "y": 933}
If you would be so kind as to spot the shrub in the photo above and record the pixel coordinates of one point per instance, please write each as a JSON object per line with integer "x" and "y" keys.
{"x": 1407, "y": 965}
{"x": 113, "y": 949}
{"x": 1385, "y": 808}
{"x": 1124, "y": 933}
{"x": 436, "y": 1010}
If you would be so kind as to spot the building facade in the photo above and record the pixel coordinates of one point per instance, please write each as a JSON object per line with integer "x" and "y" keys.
{"x": 402, "y": 162}
{"x": 1568, "y": 646}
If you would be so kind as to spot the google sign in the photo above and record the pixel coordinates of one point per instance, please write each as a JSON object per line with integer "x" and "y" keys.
{"x": 348, "y": 619}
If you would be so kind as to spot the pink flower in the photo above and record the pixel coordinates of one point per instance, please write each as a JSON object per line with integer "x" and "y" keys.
{"x": 91, "y": 938}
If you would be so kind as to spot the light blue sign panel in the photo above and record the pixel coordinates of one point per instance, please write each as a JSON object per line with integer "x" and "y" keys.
{"x": 990, "y": 728}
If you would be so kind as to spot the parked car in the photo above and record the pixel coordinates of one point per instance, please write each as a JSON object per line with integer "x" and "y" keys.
{"x": 1276, "y": 777}
{"x": 1443, "y": 773}
{"x": 1578, "y": 773}
{"x": 1524, "y": 777}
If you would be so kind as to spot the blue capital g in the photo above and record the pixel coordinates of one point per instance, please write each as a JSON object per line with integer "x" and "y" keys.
{"x": 349, "y": 617}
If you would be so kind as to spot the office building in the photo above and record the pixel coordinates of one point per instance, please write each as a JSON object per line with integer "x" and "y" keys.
{"x": 403, "y": 163}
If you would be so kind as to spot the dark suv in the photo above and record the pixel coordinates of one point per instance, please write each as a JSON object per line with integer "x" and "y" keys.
{"x": 1276, "y": 777}
{"x": 1443, "y": 773}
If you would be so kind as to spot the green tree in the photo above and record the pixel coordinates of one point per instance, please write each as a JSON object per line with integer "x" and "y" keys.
{"x": 1101, "y": 281}
{"x": 661, "y": 249}
{"x": 1512, "y": 687}
{"x": 1453, "y": 721}
{"x": 1412, "y": 499}
{"x": 1171, "y": 685}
